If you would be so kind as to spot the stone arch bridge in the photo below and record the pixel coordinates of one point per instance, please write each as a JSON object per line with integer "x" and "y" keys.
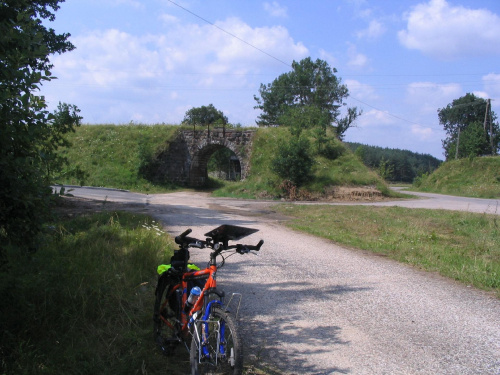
{"x": 185, "y": 161}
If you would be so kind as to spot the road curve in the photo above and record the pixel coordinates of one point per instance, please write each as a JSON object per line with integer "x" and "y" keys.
{"x": 312, "y": 307}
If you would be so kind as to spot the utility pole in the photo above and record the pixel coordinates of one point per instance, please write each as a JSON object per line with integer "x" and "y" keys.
{"x": 491, "y": 129}
{"x": 488, "y": 104}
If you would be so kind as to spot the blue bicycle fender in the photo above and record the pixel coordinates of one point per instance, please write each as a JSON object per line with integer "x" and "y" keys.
{"x": 205, "y": 318}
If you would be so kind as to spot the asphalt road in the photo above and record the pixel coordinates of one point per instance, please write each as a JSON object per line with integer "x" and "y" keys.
{"x": 312, "y": 307}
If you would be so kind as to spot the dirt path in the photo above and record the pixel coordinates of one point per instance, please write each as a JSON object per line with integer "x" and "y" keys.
{"x": 311, "y": 307}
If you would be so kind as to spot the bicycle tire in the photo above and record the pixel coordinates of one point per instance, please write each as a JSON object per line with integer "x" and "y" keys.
{"x": 229, "y": 362}
{"x": 166, "y": 325}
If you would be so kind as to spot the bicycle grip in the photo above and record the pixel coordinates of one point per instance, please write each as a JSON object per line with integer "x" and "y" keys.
{"x": 246, "y": 248}
{"x": 180, "y": 238}
{"x": 261, "y": 242}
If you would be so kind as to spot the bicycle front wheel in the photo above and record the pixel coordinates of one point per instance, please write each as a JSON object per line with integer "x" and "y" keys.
{"x": 216, "y": 346}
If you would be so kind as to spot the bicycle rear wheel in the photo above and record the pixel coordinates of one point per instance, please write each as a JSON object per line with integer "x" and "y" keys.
{"x": 166, "y": 325}
{"x": 216, "y": 346}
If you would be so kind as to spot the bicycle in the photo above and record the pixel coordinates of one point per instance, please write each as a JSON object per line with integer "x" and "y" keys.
{"x": 205, "y": 326}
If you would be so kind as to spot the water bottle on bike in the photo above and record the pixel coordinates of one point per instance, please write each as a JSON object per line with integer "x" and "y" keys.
{"x": 193, "y": 297}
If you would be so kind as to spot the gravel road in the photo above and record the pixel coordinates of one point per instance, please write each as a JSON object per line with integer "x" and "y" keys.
{"x": 312, "y": 307}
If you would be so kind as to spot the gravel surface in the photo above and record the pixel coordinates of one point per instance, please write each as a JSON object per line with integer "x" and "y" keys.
{"x": 312, "y": 307}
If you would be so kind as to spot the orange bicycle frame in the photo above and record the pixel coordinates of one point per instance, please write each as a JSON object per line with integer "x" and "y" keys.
{"x": 209, "y": 284}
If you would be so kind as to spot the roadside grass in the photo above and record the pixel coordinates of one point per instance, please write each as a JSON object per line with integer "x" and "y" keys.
{"x": 477, "y": 177}
{"x": 462, "y": 246}
{"x": 82, "y": 304}
{"x": 112, "y": 155}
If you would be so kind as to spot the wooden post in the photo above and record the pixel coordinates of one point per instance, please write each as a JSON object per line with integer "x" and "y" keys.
{"x": 491, "y": 129}
{"x": 486, "y": 115}
{"x": 458, "y": 142}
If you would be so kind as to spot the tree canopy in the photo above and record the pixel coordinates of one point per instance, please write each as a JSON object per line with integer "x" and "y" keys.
{"x": 394, "y": 164}
{"x": 471, "y": 127}
{"x": 311, "y": 91}
{"x": 29, "y": 134}
{"x": 204, "y": 115}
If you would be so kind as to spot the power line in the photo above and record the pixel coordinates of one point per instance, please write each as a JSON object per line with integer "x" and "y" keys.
{"x": 228, "y": 33}
{"x": 281, "y": 61}
{"x": 395, "y": 116}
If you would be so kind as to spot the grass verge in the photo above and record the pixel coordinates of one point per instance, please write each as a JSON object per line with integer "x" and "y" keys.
{"x": 459, "y": 245}
{"x": 114, "y": 155}
{"x": 476, "y": 177}
{"x": 82, "y": 304}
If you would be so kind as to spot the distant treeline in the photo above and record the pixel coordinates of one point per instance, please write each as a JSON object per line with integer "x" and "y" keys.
{"x": 393, "y": 164}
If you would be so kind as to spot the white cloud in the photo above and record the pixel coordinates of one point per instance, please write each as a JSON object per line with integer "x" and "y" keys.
{"x": 481, "y": 94}
{"x": 428, "y": 97}
{"x": 374, "y": 30}
{"x": 492, "y": 84}
{"x": 115, "y": 57}
{"x": 119, "y": 74}
{"x": 275, "y": 9}
{"x": 374, "y": 118}
{"x": 328, "y": 57}
{"x": 132, "y": 3}
{"x": 444, "y": 31}
{"x": 360, "y": 90}
{"x": 168, "y": 18}
{"x": 422, "y": 133}
{"x": 356, "y": 60}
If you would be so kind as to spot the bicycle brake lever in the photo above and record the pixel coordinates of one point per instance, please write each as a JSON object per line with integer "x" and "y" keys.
{"x": 242, "y": 249}
{"x": 197, "y": 244}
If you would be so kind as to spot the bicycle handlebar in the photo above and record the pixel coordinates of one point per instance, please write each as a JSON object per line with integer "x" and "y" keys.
{"x": 243, "y": 249}
{"x": 182, "y": 239}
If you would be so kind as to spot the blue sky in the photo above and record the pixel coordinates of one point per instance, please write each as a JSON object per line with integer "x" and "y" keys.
{"x": 151, "y": 61}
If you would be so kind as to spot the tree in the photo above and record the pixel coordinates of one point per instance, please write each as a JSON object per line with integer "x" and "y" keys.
{"x": 204, "y": 115}
{"x": 466, "y": 112}
{"x": 385, "y": 169}
{"x": 29, "y": 134}
{"x": 312, "y": 87}
{"x": 294, "y": 161}
{"x": 304, "y": 117}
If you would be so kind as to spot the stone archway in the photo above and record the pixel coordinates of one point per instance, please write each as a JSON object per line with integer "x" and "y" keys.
{"x": 185, "y": 161}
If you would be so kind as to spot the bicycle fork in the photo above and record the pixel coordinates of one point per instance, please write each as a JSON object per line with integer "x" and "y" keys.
{"x": 204, "y": 336}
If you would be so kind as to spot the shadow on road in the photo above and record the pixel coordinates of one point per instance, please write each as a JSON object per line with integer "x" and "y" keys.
{"x": 269, "y": 315}
{"x": 272, "y": 315}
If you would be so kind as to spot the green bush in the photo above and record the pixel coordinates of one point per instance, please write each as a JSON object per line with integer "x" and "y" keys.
{"x": 332, "y": 149}
{"x": 294, "y": 161}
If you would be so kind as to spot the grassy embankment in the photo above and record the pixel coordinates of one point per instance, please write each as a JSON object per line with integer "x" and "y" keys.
{"x": 471, "y": 177}
{"x": 113, "y": 155}
{"x": 461, "y": 245}
{"x": 327, "y": 174}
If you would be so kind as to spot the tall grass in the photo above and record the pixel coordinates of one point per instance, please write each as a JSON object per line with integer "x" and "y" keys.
{"x": 82, "y": 304}
{"x": 460, "y": 245}
{"x": 477, "y": 177}
{"x": 112, "y": 155}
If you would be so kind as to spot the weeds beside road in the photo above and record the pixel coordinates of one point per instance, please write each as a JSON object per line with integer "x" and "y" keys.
{"x": 461, "y": 245}
{"x": 82, "y": 304}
